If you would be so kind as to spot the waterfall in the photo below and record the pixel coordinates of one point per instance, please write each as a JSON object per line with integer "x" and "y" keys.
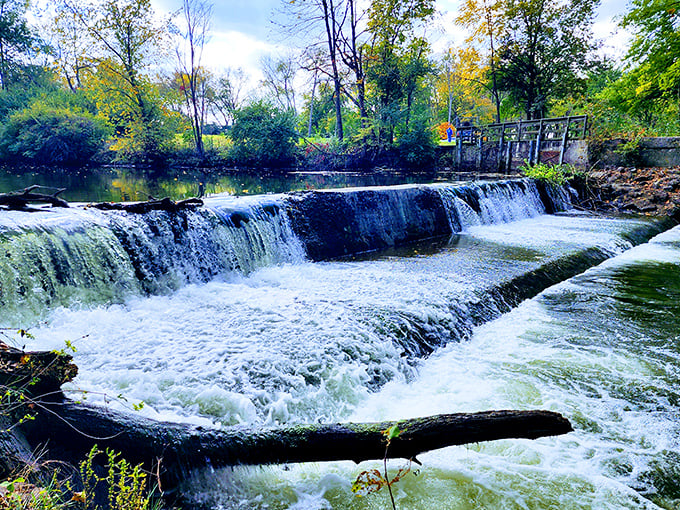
{"x": 497, "y": 202}
{"x": 62, "y": 258}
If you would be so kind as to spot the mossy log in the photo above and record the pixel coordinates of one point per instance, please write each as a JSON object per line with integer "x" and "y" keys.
{"x": 70, "y": 429}
{"x": 164, "y": 204}
{"x": 20, "y": 200}
{"x": 179, "y": 448}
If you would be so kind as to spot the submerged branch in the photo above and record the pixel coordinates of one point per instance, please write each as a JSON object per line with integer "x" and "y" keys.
{"x": 19, "y": 200}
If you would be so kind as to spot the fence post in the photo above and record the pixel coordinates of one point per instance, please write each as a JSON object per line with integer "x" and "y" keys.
{"x": 501, "y": 141}
{"x": 565, "y": 137}
{"x": 459, "y": 149}
{"x": 539, "y": 136}
{"x": 479, "y": 149}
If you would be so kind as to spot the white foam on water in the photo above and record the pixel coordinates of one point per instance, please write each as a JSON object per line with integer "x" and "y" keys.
{"x": 321, "y": 342}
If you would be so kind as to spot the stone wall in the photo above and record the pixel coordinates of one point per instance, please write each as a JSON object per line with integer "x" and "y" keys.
{"x": 662, "y": 152}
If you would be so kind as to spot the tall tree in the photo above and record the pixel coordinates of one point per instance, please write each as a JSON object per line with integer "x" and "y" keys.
{"x": 654, "y": 54}
{"x": 72, "y": 47}
{"x": 128, "y": 38}
{"x": 16, "y": 39}
{"x": 226, "y": 95}
{"x": 193, "y": 32}
{"x": 321, "y": 22}
{"x": 397, "y": 57}
{"x": 483, "y": 18}
{"x": 279, "y": 75}
{"x": 543, "y": 50}
{"x": 464, "y": 89}
{"x": 353, "y": 40}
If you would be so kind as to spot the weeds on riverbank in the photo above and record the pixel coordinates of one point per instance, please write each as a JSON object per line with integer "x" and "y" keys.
{"x": 557, "y": 175}
{"x": 103, "y": 480}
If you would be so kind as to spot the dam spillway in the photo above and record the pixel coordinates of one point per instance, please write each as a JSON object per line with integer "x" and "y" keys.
{"x": 336, "y": 305}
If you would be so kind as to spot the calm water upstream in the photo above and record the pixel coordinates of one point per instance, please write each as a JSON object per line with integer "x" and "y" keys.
{"x": 214, "y": 334}
{"x": 127, "y": 184}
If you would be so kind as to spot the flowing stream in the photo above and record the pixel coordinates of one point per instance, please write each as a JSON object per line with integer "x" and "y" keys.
{"x": 254, "y": 310}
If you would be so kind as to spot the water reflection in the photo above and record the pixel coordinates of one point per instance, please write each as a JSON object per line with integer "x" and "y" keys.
{"x": 129, "y": 184}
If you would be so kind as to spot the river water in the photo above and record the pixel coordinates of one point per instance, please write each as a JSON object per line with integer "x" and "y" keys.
{"x": 436, "y": 327}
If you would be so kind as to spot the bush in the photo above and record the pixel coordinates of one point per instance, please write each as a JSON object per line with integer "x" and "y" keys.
{"x": 417, "y": 147}
{"x": 557, "y": 175}
{"x": 264, "y": 135}
{"x": 47, "y": 135}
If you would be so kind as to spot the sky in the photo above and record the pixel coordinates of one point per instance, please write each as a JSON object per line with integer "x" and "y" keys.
{"x": 243, "y": 31}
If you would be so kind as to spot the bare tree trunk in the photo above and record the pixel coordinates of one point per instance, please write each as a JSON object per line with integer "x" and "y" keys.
{"x": 332, "y": 39}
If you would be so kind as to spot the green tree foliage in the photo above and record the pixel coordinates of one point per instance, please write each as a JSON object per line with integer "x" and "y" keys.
{"x": 127, "y": 39}
{"x": 16, "y": 40}
{"x": 543, "y": 50}
{"x": 47, "y": 135}
{"x": 416, "y": 147}
{"x": 654, "y": 55}
{"x": 264, "y": 135}
{"x": 397, "y": 59}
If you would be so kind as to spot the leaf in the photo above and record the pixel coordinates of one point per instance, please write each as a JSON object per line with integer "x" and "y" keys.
{"x": 392, "y": 433}
{"x": 79, "y": 497}
{"x": 368, "y": 482}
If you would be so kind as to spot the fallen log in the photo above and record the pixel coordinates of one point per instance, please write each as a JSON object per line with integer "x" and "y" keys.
{"x": 27, "y": 379}
{"x": 164, "y": 204}
{"x": 70, "y": 429}
{"x": 19, "y": 200}
{"x": 180, "y": 448}
{"x": 35, "y": 373}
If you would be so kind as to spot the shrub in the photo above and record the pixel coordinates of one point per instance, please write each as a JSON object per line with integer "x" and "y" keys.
{"x": 264, "y": 135}
{"x": 417, "y": 147}
{"x": 553, "y": 174}
{"x": 46, "y": 135}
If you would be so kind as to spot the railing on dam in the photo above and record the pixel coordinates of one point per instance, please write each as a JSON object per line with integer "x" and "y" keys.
{"x": 504, "y": 146}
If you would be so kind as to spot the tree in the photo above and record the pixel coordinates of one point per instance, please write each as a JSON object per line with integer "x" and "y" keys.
{"x": 352, "y": 51}
{"x": 321, "y": 22}
{"x": 72, "y": 47}
{"x": 397, "y": 58}
{"x": 279, "y": 75}
{"x": 16, "y": 39}
{"x": 225, "y": 95}
{"x": 463, "y": 87}
{"x": 264, "y": 135}
{"x": 486, "y": 29}
{"x": 127, "y": 38}
{"x": 655, "y": 52}
{"x": 196, "y": 17}
{"x": 543, "y": 50}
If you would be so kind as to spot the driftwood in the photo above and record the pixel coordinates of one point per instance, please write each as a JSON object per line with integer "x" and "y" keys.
{"x": 19, "y": 200}
{"x": 164, "y": 204}
{"x": 179, "y": 448}
{"x": 70, "y": 429}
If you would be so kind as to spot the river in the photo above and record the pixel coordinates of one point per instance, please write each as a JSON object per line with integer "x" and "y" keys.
{"x": 514, "y": 309}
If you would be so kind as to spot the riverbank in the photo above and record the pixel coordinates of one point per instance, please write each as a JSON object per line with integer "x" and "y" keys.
{"x": 650, "y": 191}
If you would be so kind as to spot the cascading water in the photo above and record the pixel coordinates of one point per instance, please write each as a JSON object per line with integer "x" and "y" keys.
{"x": 61, "y": 258}
{"x": 217, "y": 316}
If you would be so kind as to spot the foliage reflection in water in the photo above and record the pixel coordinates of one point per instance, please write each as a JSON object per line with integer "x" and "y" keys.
{"x": 128, "y": 184}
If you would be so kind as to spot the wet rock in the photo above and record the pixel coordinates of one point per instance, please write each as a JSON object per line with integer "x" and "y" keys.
{"x": 651, "y": 191}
